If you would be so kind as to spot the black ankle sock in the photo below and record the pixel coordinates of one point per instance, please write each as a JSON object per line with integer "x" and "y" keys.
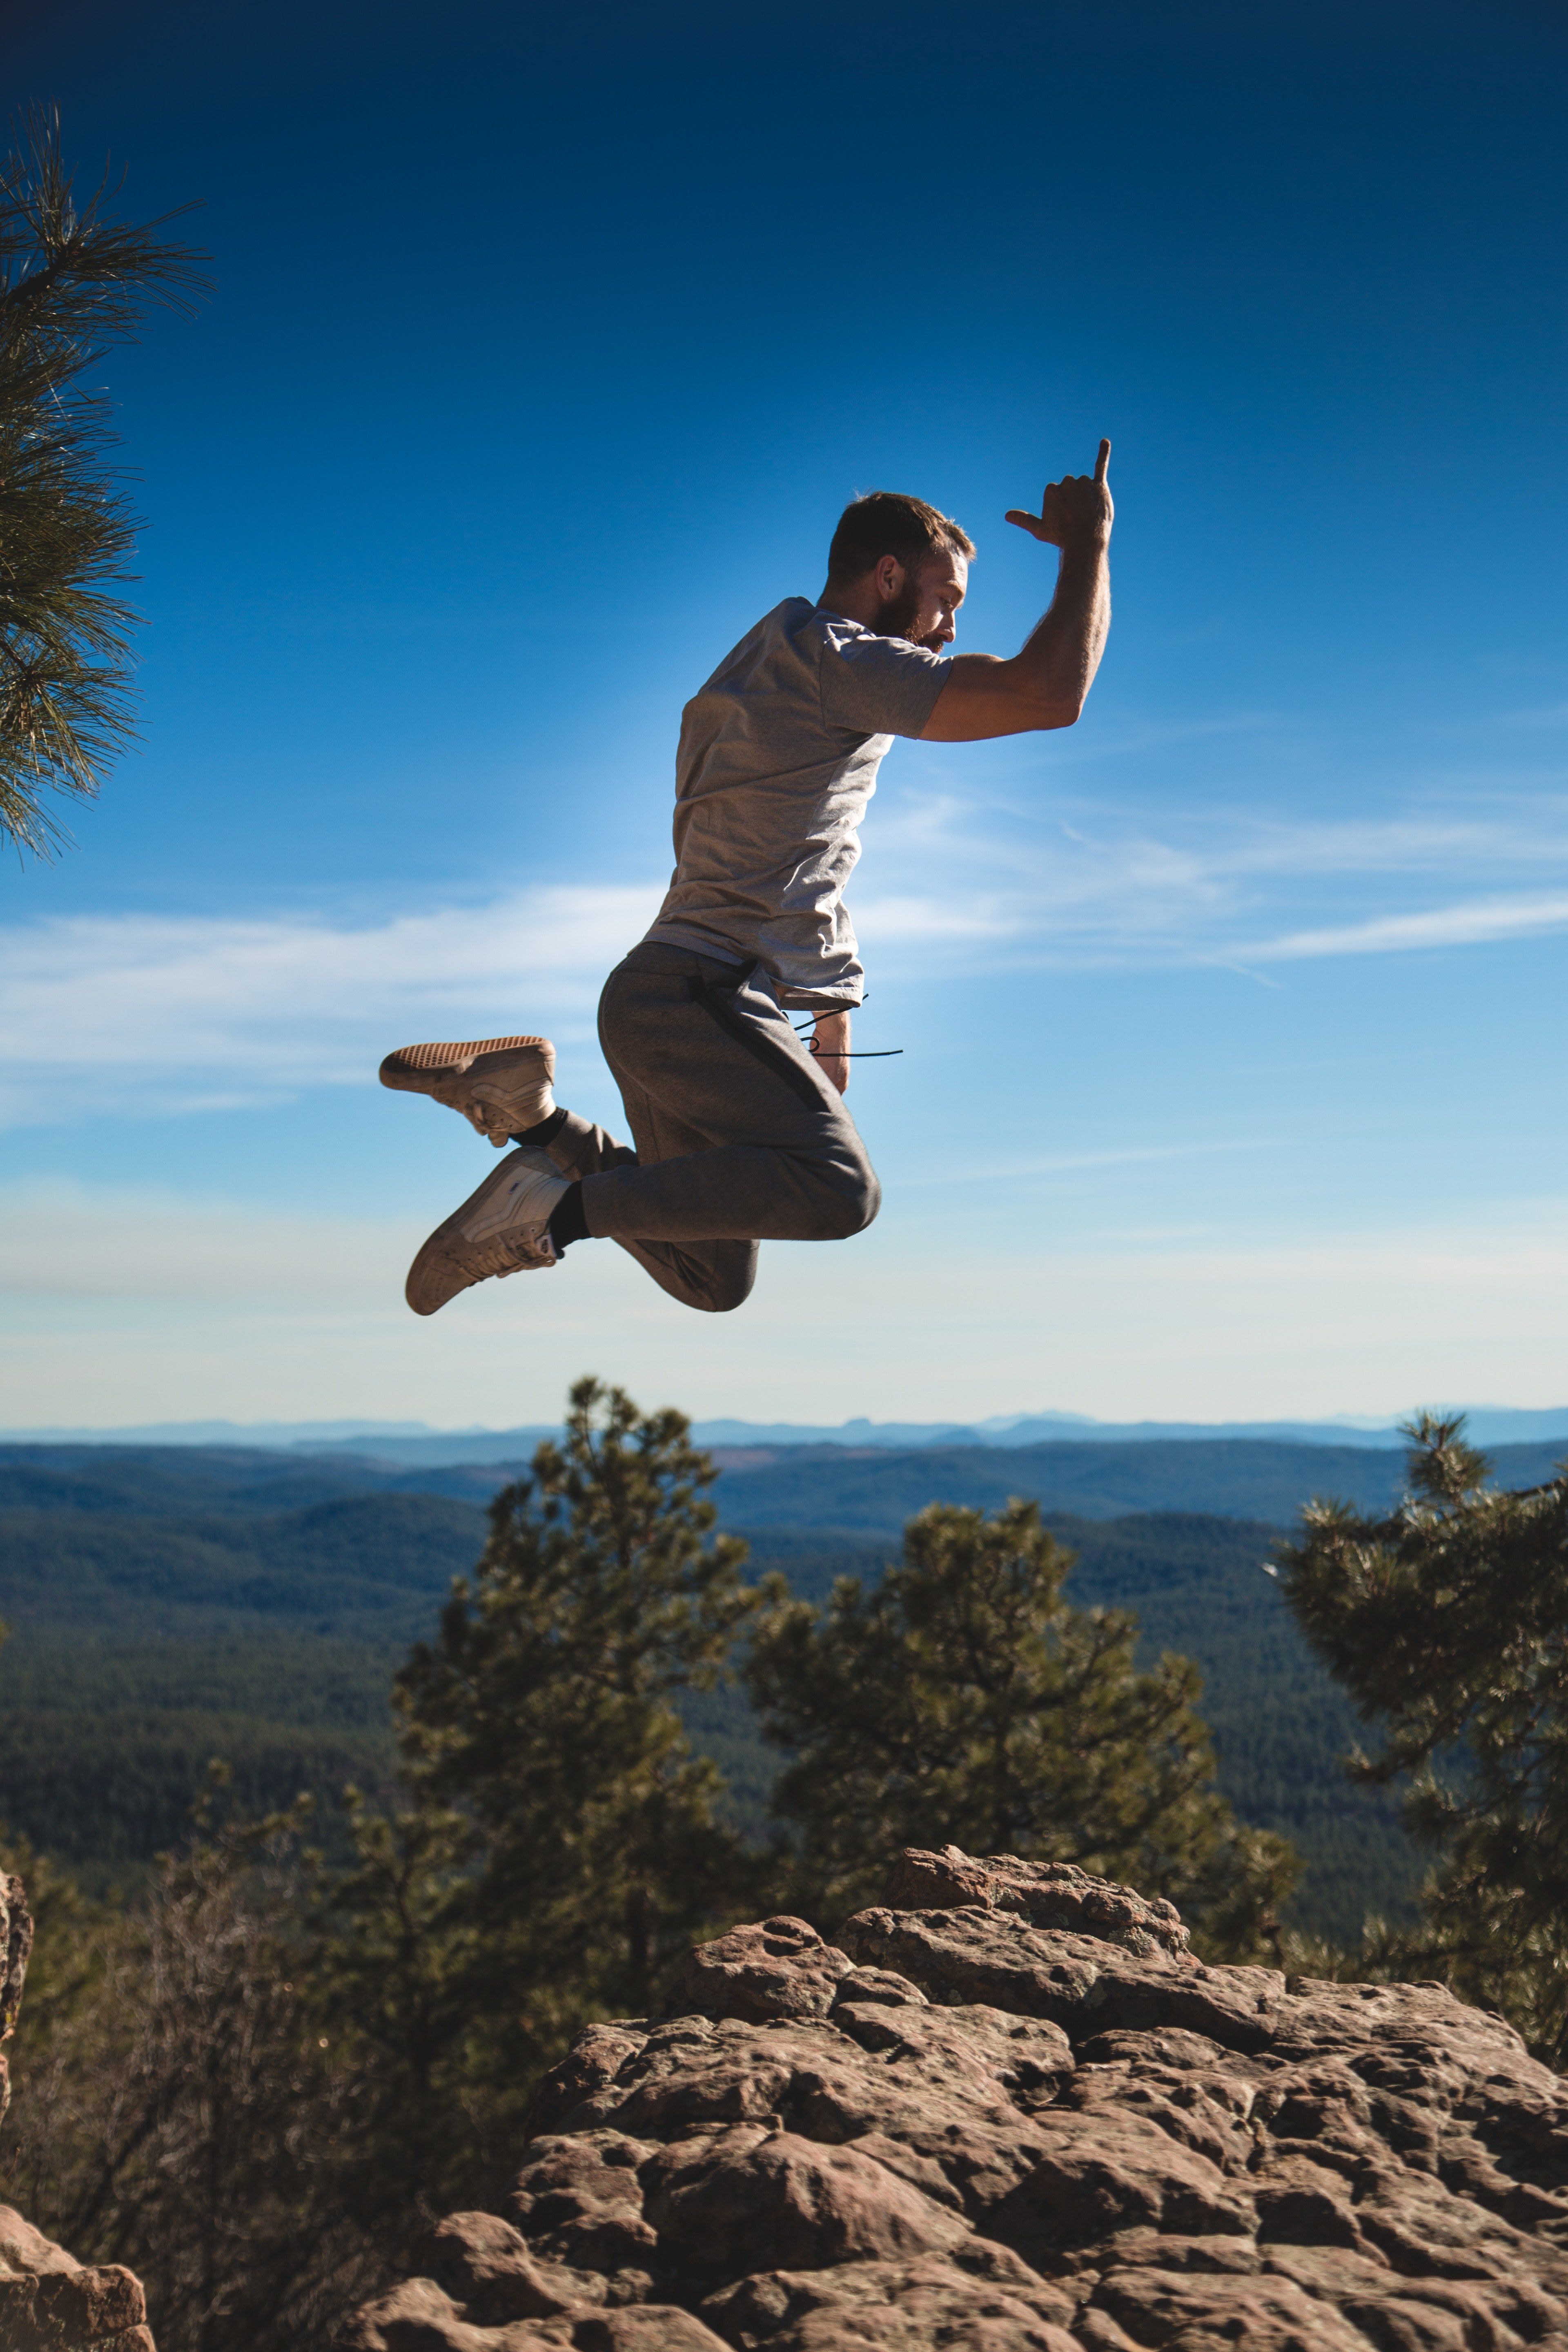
{"x": 546, "y": 1130}
{"x": 567, "y": 1221}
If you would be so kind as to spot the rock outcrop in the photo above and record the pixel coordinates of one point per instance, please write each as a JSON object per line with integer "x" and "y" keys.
{"x": 49, "y": 2300}
{"x": 1011, "y": 2111}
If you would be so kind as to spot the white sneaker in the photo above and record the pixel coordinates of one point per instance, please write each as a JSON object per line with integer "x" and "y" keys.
{"x": 501, "y": 1085}
{"x": 502, "y": 1229}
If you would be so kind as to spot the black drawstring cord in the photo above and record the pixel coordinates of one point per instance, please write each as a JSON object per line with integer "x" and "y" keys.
{"x": 887, "y": 1052}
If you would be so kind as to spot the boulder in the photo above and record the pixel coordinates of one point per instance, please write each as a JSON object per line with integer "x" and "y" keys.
{"x": 781, "y": 1969}
{"x": 1009, "y": 2111}
{"x": 51, "y": 2302}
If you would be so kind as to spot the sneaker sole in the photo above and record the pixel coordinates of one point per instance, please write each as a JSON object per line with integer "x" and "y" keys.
{"x": 424, "y": 1070}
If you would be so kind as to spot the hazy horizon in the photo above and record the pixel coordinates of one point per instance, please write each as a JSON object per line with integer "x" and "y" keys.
{"x": 1486, "y": 1422}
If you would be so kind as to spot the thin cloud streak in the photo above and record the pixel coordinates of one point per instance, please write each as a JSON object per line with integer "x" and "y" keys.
{"x": 1107, "y": 890}
{"x": 198, "y": 1009}
{"x": 1478, "y": 924}
{"x": 1071, "y": 1163}
{"x": 1106, "y": 842}
{"x": 94, "y": 986}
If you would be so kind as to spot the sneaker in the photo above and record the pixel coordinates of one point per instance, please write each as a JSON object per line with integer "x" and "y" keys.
{"x": 502, "y": 1229}
{"x": 502, "y": 1085}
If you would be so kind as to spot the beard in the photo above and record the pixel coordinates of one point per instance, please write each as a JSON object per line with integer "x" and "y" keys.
{"x": 896, "y": 617}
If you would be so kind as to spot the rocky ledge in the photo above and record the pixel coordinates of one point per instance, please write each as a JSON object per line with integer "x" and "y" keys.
{"x": 51, "y": 2302}
{"x": 1013, "y": 2112}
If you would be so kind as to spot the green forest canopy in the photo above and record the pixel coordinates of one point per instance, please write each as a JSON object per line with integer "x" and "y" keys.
{"x": 168, "y": 1604}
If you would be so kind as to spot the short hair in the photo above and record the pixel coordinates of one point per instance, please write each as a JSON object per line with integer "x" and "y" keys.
{"x": 885, "y": 522}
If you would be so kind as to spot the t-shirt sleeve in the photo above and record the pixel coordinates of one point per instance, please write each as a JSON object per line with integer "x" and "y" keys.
{"x": 878, "y": 685}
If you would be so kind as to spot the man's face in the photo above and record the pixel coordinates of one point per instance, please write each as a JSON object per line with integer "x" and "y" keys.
{"x": 924, "y": 607}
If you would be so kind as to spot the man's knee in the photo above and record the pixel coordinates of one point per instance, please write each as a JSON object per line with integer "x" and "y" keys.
{"x": 717, "y": 1283}
{"x": 852, "y": 1203}
{"x": 723, "y": 1292}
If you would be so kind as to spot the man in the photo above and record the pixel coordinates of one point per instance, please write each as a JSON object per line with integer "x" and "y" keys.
{"x": 740, "y": 1134}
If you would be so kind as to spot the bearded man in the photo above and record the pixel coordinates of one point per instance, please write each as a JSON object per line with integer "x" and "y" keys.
{"x": 740, "y": 1132}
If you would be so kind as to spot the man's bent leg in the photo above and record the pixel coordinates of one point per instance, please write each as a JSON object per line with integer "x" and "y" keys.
{"x": 712, "y": 1276}
{"x": 747, "y": 1140}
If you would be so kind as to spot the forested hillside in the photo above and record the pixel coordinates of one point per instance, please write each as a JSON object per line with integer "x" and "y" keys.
{"x": 1241, "y": 1477}
{"x": 171, "y": 1605}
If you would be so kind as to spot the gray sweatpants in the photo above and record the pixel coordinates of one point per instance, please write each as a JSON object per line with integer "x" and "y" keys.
{"x": 738, "y": 1137}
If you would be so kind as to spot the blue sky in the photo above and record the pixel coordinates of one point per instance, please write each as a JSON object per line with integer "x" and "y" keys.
{"x": 545, "y": 351}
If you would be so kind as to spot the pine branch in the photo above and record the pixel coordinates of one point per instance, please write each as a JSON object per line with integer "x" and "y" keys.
{"x": 72, "y": 282}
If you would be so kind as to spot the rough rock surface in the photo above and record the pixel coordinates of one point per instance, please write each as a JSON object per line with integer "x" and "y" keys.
{"x": 50, "y": 2303}
{"x": 49, "y": 2300}
{"x": 16, "y": 1944}
{"x": 1015, "y": 2114}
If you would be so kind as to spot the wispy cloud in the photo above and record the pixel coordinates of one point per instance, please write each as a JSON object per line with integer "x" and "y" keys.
{"x": 1472, "y": 924}
{"x": 1113, "y": 885}
{"x": 186, "y": 1015}
{"x": 1073, "y": 1163}
{"x": 206, "y": 1012}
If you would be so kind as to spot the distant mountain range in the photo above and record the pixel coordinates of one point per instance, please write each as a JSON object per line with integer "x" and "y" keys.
{"x": 414, "y": 1445}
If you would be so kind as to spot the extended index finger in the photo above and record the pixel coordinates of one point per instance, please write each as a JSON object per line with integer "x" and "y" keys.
{"x": 1102, "y": 461}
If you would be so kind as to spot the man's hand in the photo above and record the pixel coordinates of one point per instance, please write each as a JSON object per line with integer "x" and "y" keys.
{"x": 829, "y": 1046}
{"x": 1046, "y": 683}
{"x": 1077, "y": 507}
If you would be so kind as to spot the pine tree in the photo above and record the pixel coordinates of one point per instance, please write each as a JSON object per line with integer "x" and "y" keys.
{"x": 1447, "y": 1624}
{"x": 561, "y": 1845}
{"x": 964, "y": 1700}
{"x": 71, "y": 282}
{"x": 393, "y": 1979}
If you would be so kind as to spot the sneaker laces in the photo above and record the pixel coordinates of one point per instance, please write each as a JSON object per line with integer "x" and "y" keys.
{"x": 499, "y": 1256}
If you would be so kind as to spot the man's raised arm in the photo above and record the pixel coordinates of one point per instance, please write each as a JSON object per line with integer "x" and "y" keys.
{"x": 1046, "y": 684}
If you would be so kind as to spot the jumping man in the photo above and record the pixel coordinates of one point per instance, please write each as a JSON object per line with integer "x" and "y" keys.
{"x": 740, "y": 1134}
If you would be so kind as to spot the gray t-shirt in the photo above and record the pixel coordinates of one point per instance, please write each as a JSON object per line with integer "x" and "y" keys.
{"x": 779, "y": 754}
